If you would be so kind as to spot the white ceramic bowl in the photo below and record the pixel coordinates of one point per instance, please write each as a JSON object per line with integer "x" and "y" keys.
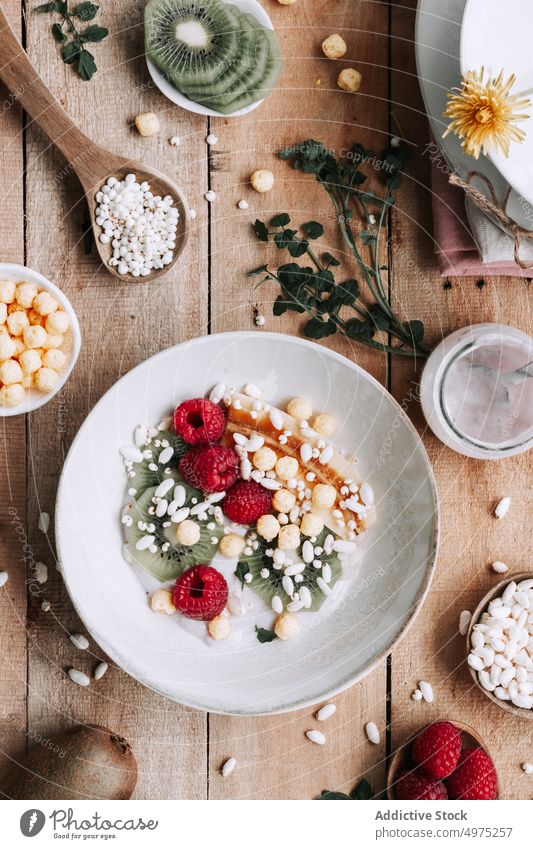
{"x": 335, "y": 650}
{"x": 251, "y": 7}
{"x": 35, "y": 399}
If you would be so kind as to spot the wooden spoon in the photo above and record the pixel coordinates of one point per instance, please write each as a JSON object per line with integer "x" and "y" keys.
{"x": 401, "y": 759}
{"x": 91, "y": 163}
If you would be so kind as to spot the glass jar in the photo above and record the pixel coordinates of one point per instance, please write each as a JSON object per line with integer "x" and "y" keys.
{"x": 471, "y": 396}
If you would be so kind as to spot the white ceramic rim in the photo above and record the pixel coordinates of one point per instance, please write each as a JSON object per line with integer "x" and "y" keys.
{"x": 346, "y": 682}
{"x": 252, "y": 7}
{"x": 13, "y": 271}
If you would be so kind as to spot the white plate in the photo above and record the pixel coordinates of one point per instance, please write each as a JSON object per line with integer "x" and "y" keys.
{"x": 336, "y": 651}
{"x": 499, "y": 36}
{"x": 35, "y": 399}
{"x": 251, "y": 7}
{"x": 438, "y": 35}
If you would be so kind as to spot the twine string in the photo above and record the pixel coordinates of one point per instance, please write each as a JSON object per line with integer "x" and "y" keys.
{"x": 496, "y": 208}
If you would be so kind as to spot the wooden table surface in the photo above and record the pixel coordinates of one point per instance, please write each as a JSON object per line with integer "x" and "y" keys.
{"x": 44, "y": 225}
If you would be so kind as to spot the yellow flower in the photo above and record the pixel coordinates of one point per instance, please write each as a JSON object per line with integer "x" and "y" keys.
{"x": 483, "y": 113}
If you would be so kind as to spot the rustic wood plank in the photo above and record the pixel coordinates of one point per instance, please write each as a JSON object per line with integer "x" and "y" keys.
{"x": 13, "y": 529}
{"x": 122, "y": 324}
{"x": 275, "y": 759}
{"x": 470, "y": 538}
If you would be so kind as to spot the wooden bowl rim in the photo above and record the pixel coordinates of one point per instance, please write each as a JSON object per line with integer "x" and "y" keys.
{"x": 400, "y": 754}
{"x": 497, "y": 589}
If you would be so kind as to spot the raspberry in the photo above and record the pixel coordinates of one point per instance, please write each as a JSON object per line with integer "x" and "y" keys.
{"x": 246, "y": 501}
{"x": 416, "y": 785}
{"x": 199, "y": 421}
{"x": 200, "y": 593}
{"x": 474, "y": 778}
{"x": 437, "y": 748}
{"x": 210, "y": 468}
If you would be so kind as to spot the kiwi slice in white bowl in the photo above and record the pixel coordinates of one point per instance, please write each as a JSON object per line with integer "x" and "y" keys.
{"x": 191, "y": 41}
{"x": 168, "y": 564}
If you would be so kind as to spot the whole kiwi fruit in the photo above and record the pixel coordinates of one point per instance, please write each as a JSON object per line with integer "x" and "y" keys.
{"x": 86, "y": 762}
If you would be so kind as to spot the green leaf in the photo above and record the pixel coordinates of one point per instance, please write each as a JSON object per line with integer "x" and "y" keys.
{"x": 261, "y": 269}
{"x": 93, "y": 34}
{"x": 280, "y": 220}
{"x": 292, "y": 276}
{"x": 261, "y": 230}
{"x": 316, "y": 328}
{"x": 313, "y": 230}
{"x": 85, "y": 11}
{"x": 58, "y": 33}
{"x": 358, "y": 330}
{"x": 59, "y": 6}
{"x": 330, "y": 794}
{"x": 284, "y": 239}
{"x": 265, "y": 636}
{"x": 348, "y": 292}
{"x": 416, "y": 329}
{"x": 86, "y": 65}
{"x": 362, "y": 790}
{"x": 329, "y": 259}
{"x": 280, "y": 306}
{"x": 70, "y": 52}
{"x": 241, "y": 570}
{"x": 298, "y": 248}
{"x": 380, "y": 320}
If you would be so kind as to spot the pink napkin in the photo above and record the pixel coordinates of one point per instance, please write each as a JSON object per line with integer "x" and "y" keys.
{"x": 455, "y": 246}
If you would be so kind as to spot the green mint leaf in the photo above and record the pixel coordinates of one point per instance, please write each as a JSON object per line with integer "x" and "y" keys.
{"x": 380, "y": 320}
{"x": 284, "y": 239}
{"x": 316, "y": 328}
{"x": 347, "y": 293}
{"x": 59, "y": 6}
{"x": 93, "y": 34}
{"x": 362, "y": 791}
{"x": 313, "y": 230}
{"x": 293, "y": 277}
{"x": 86, "y": 66}
{"x": 265, "y": 636}
{"x": 329, "y": 259}
{"x": 416, "y": 329}
{"x": 261, "y": 269}
{"x": 85, "y": 11}
{"x": 280, "y": 220}
{"x": 359, "y": 330}
{"x": 241, "y": 570}
{"x": 58, "y": 33}
{"x": 330, "y": 794}
{"x": 70, "y": 52}
{"x": 298, "y": 248}
{"x": 280, "y": 306}
{"x": 261, "y": 230}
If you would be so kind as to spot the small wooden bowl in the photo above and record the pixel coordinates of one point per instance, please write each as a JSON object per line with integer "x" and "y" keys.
{"x": 401, "y": 760}
{"x": 496, "y": 591}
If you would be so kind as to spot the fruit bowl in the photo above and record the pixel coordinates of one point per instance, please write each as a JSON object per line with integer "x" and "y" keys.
{"x": 251, "y": 7}
{"x": 35, "y": 399}
{"x": 495, "y": 592}
{"x": 333, "y": 650}
{"x": 401, "y": 759}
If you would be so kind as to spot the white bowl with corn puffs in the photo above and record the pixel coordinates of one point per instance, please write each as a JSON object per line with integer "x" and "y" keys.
{"x": 40, "y": 340}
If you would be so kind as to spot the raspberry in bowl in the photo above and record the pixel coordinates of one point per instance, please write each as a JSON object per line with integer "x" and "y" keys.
{"x": 444, "y": 760}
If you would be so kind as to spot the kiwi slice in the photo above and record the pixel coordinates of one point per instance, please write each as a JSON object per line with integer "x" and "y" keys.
{"x": 267, "y": 588}
{"x": 168, "y": 565}
{"x": 145, "y": 477}
{"x": 252, "y": 44}
{"x": 256, "y": 84}
{"x": 191, "y": 41}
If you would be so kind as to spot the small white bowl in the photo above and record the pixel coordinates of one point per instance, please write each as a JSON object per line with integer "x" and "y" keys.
{"x": 250, "y": 7}
{"x": 35, "y": 399}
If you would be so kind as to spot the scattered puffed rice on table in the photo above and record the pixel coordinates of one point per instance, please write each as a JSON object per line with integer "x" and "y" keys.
{"x": 316, "y": 736}
{"x": 502, "y": 507}
{"x": 79, "y": 677}
{"x": 4, "y": 577}
{"x": 210, "y": 196}
{"x": 100, "y": 670}
{"x": 372, "y": 733}
{"x": 243, "y": 204}
{"x": 499, "y": 567}
{"x": 417, "y": 696}
{"x": 326, "y": 712}
{"x": 147, "y": 124}
{"x": 527, "y": 768}
{"x": 228, "y": 767}
{"x": 41, "y": 572}
{"x": 45, "y": 605}
{"x": 464, "y": 620}
{"x": 212, "y": 139}
{"x": 192, "y": 214}
{"x": 427, "y": 691}
{"x": 260, "y": 320}
{"x": 80, "y": 641}
{"x": 175, "y": 141}
{"x": 44, "y": 522}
